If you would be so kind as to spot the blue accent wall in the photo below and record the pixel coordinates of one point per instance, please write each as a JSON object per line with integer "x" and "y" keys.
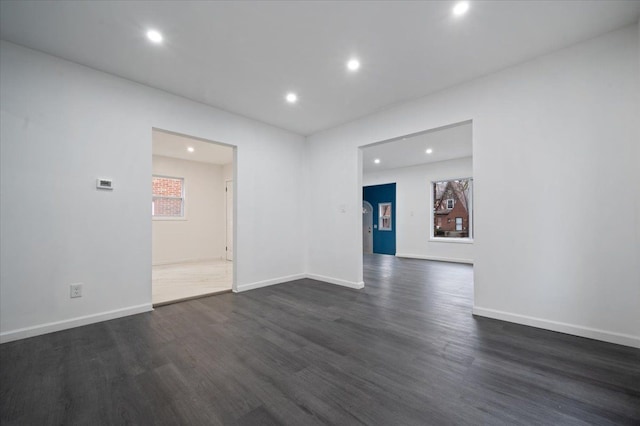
{"x": 384, "y": 242}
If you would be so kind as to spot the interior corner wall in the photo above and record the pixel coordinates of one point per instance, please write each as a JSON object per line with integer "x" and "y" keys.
{"x": 413, "y": 204}
{"x": 63, "y": 126}
{"x": 555, "y": 145}
{"x": 201, "y": 233}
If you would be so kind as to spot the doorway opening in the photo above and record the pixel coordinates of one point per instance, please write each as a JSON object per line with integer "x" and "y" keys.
{"x": 417, "y": 193}
{"x": 192, "y": 210}
{"x": 382, "y": 199}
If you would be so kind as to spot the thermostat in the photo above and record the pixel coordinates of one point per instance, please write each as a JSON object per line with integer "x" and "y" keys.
{"x": 104, "y": 184}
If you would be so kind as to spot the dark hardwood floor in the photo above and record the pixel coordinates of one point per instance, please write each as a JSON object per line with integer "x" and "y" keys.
{"x": 404, "y": 351}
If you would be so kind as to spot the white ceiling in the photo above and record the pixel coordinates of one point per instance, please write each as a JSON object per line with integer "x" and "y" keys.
{"x": 172, "y": 145}
{"x": 244, "y": 56}
{"x": 447, "y": 144}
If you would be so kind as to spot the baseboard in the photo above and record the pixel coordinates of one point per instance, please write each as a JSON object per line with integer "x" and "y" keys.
{"x": 438, "y": 258}
{"x": 337, "y": 281}
{"x": 173, "y": 262}
{"x": 576, "y": 330}
{"x": 265, "y": 283}
{"x": 51, "y": 327}
{"x": 37, "y": 330}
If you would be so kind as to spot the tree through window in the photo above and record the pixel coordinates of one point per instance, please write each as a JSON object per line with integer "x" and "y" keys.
{"x": 452, "y": 209}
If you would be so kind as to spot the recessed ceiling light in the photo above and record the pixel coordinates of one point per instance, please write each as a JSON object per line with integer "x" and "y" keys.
{"x": 292, "y": 98}
{"x": 461, "y": 8}
{"x": 353, "y": 65}
{"x": 154, "y": 36}
{"x": 377, "y": 161}
{"x": 190, "y": 149}
{"x": 429, "y": 151}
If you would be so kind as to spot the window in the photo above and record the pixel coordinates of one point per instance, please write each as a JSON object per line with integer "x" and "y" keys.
{"x": 168, "y": 197}
{"x": 452, "y": 209}
{"x": 384, "y": 222}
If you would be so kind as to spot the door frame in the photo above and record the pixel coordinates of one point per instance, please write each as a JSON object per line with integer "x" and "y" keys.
{"x": 226, "y": 215}
{"x": 371, "y": 230}
{"x": 234, "y": 178}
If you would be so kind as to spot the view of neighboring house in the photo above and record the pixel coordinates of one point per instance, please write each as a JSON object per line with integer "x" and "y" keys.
{"x": 451, "y": 208}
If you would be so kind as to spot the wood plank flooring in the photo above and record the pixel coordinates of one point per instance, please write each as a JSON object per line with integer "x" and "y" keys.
{"x": 403, "y": 351}
{"x": 186, "y": 280}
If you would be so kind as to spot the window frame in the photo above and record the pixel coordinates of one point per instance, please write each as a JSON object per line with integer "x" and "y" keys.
{"x": 432, "y": 226}
{"x": 390, "y": 216}
{"x": 183, "y": 213}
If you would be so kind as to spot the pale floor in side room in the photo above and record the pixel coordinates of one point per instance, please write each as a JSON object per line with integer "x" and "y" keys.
{"x": 190, "y": 279}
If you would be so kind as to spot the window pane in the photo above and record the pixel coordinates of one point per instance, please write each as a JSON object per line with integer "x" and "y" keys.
{"x": 167, "y": 207}
{"x": 168, "y": 196}
{"x": 452, "y": 208}
{"x": 384, "y": 218}
{"x": 167, "y": 187}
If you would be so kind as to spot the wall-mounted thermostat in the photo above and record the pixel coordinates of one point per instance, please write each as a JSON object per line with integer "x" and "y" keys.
{"x": 104, "y": 184}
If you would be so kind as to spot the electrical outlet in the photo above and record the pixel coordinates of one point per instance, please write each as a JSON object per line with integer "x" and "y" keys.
{"x": 76, "y": 290}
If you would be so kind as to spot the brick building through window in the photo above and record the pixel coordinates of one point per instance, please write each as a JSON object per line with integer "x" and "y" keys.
{"x": 168, "y": 196}
{"x": 452, "y": 206}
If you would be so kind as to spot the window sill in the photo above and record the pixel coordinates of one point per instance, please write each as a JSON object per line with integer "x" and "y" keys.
{"x": 169, "y": 219}
{"x": 451, "y": 240}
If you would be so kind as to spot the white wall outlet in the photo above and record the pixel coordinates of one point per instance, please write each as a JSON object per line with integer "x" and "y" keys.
{"x": 76, "y": 290}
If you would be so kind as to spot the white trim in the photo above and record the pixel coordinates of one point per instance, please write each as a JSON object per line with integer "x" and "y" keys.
{"x": 37, "y": 330}
{"x": 337, "y": 281}
{"x": 191, "y": 260}
{"x": 576, "y": 330}
{"x": 451, "y": 240}
{"x": 228, "y": 252}
{"x": 438, "y": 258}
{"x": 265, "y": 283}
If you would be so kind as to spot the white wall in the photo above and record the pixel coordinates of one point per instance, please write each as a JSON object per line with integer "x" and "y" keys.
{"x": 413, "y": 195}
{"x": 64, "y": 125}
{"x": 227, "y": 172}
{"x": 555, "y": 141}
{"x": 564, "y": 127}
{"x": 201, "y": 234}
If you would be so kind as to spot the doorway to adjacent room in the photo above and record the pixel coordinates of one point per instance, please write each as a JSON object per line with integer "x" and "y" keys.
{"x": 417, "y": 195}
{"x": 192, "y": 209}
